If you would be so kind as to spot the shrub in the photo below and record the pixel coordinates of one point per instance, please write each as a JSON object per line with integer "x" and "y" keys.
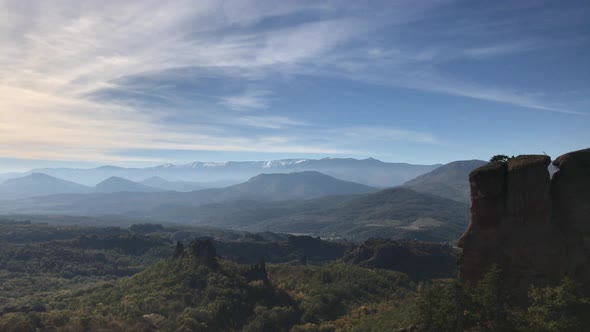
{"x": 558, "y": 308}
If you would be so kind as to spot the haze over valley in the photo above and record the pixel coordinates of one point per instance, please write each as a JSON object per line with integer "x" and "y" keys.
{"x": 305, "y": 202}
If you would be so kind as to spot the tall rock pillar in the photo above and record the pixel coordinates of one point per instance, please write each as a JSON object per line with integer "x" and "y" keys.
{"x": 511, "y": 225}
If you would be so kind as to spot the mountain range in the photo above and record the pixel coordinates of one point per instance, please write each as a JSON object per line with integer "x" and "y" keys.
{"x": 117, "y": 195}
{"x": 371, "y": 172}
{"x": 305, "y": 202}
{"x": 432, "y": 206}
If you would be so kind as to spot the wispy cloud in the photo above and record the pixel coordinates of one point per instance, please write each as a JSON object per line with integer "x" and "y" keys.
{"x": 63, "y": 63}
{"x": 497, "y": 49}
{"x": 436, "y": 83}
{"x": 387, "y": 135}
{"x": 256, "y": 99}
{"x": 432, "y": 81}
{"x": 418, "y": 70}
{"x": 272, "y": 122}
{"x": 54, "y": 58}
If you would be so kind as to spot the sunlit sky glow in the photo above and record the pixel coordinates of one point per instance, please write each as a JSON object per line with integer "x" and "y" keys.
{"x": 85, "y": 83}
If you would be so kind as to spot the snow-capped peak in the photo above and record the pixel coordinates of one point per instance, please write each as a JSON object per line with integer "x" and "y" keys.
{"x": 198, "y": 164}
{"x": 168, "y": 165}
{"x": 282, "y": 163}
{"x": 214, "y": 164}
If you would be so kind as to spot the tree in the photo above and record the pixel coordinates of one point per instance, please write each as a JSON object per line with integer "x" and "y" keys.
{"x": 449, "y": 305}
{"x": 556, "y": 308}
{"x": 16, "y": 322}
{"x": 442, "y": 305}
{"x": 500, "y": 158}
{"x": 491, "y": 302}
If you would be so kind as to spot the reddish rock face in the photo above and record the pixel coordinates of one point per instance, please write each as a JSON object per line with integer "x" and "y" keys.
{"x": 536, "y": 229}
{"x": 570, "y": 192}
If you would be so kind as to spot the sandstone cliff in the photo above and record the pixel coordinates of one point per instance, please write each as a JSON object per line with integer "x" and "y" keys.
{"x": 535, "y": 228}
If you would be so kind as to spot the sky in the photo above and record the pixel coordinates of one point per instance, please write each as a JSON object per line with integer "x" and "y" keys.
{"x": 131, "y": 83}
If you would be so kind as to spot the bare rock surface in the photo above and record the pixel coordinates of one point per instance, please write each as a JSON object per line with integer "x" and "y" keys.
{"x": 570, "y": 193}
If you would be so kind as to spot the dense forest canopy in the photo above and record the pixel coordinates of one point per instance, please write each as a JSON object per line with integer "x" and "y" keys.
{"x": 77, "y": 278}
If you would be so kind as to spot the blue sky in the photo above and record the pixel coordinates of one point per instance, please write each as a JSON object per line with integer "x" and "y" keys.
{"x": 148, "y": 82}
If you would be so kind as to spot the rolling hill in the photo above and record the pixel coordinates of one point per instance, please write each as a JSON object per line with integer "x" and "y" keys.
{"x": 449, "y": 181}
{"x": 38, "y": 184}
{"x": 116, "y": 184}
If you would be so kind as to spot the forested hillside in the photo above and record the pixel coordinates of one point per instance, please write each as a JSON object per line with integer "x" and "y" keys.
{"x": 149, "y": 277}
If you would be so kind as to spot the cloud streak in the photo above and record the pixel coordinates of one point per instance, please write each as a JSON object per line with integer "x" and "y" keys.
{"x": 63, "y": 63}
{"x": 257, "y": 99}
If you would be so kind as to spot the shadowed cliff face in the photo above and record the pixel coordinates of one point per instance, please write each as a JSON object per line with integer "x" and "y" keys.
{"x": 536, "y": 229}
{"x": 570, "y": 193}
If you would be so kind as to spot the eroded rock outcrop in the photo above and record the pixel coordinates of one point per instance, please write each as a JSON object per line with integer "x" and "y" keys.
{"x": 204, "y": 251}
{"x": 535, "y": 228}
{"x": 570, "y": 193}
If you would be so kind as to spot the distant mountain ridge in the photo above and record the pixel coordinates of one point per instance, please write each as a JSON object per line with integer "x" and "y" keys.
{"x": 450, "y": 180}
{"x": 302, "y": 185}
{"x": 119, "y": 196}
{"x": 116, "y": 184}
{"x": 38, "y": 184}
{"x": 371, "y": 172}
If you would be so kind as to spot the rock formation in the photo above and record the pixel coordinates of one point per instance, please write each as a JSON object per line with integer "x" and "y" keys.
{"x": 257, "y": 272}
{"x": 535, "y": 228}
{"x": 570, "y": 193}
{"x": 204, "y": 251}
